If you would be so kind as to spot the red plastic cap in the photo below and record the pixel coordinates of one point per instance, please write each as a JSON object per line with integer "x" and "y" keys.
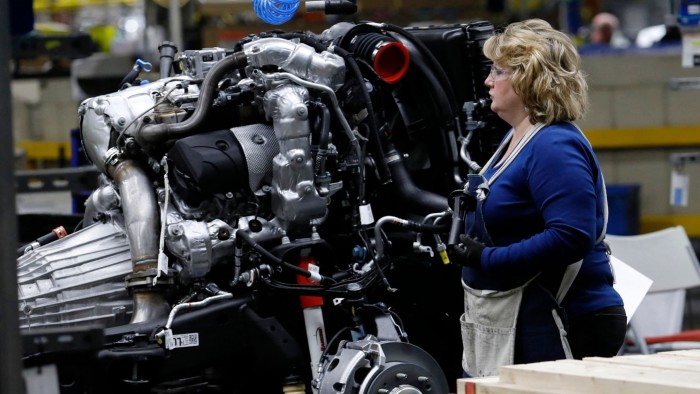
{"x": 391, "y": 61}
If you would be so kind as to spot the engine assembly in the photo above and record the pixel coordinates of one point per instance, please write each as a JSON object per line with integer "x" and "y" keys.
{"x": 262, "y": 208}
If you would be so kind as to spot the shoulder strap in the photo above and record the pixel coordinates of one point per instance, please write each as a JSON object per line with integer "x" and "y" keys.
{"x": 568, "y": 279}
{"x": 521, "y": 144}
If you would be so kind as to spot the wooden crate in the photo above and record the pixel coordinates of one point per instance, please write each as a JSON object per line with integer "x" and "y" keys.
{"x": 669, "y": 372}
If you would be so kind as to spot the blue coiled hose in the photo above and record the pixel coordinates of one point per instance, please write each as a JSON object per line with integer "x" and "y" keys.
{"x": 275, "y": 12}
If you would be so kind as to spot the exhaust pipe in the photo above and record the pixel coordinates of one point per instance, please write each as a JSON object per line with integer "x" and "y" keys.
{"x": 141, "y": 220}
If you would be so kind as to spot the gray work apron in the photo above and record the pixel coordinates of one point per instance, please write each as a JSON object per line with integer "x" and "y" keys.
{"x": 490, "y": 316}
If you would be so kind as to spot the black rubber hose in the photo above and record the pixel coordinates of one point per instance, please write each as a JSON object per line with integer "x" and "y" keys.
{"x": 375, "y": 138}
{"x": 129, "y": 77}
{"x": 435, "y": 65}
{"x": 167, "y": 54}
{"x": 324, "y": 138}
{"x": 363, "y": 167}
{"x": 324, "y": 130}
{"x": 57, "y": 233}
{"x": 164, "y": 131}
{"x": 244, "y": 236}
{"x": 444, "y": 81}
{"x": 441, "y": 105}
{"x": 411, "y": 196}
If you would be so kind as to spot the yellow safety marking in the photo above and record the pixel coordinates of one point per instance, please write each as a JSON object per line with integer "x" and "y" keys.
{"x": 691, "y": 223}
{"x": 644, "y": 137}
{"x": 50, "y": 5}
{"x": 45, "y": 150}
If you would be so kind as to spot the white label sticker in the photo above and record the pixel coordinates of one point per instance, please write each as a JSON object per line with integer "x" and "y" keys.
{"x": 679, "y": 188}
{"x": 366, "y": 216}
{"x": 313, "y": 268}
{"x": 182, "y": 340}
{"x": 162, "y": 266}
{"x": 315, "y": 272}
{"x": 162, "y": 263}
{"x": 41, "y": 380}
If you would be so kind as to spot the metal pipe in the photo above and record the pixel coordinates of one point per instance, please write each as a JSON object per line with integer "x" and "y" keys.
{"x": 175, "y": 22}
{"x": 222, "y": 295}
{"x": 165, "y": 131}
{"x": 10, "y": 357}
{"x": 298, "y": 59}
{"x": 378, "y": 241}
{"x": 141, "y": 219}
{"x": 141, "y": 216}
{"x": 149, "y": 305}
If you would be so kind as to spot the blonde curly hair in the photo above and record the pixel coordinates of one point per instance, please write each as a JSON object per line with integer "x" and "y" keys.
{"x": 546, "y": 70}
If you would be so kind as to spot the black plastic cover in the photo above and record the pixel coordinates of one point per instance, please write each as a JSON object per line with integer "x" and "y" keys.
{"x": 207, "y": 164}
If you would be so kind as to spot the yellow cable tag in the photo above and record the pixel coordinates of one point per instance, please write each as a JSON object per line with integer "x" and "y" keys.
{"x": 444, "y": 257}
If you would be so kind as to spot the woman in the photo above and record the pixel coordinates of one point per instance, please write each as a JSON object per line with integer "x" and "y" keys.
{"x": 536, "y": 273}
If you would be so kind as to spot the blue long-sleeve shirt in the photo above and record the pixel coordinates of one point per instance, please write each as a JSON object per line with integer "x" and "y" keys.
{"x": 544, "y": 212}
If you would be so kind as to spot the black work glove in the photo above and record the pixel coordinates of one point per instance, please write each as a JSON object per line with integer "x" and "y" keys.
{"x": 467, "y": 252}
